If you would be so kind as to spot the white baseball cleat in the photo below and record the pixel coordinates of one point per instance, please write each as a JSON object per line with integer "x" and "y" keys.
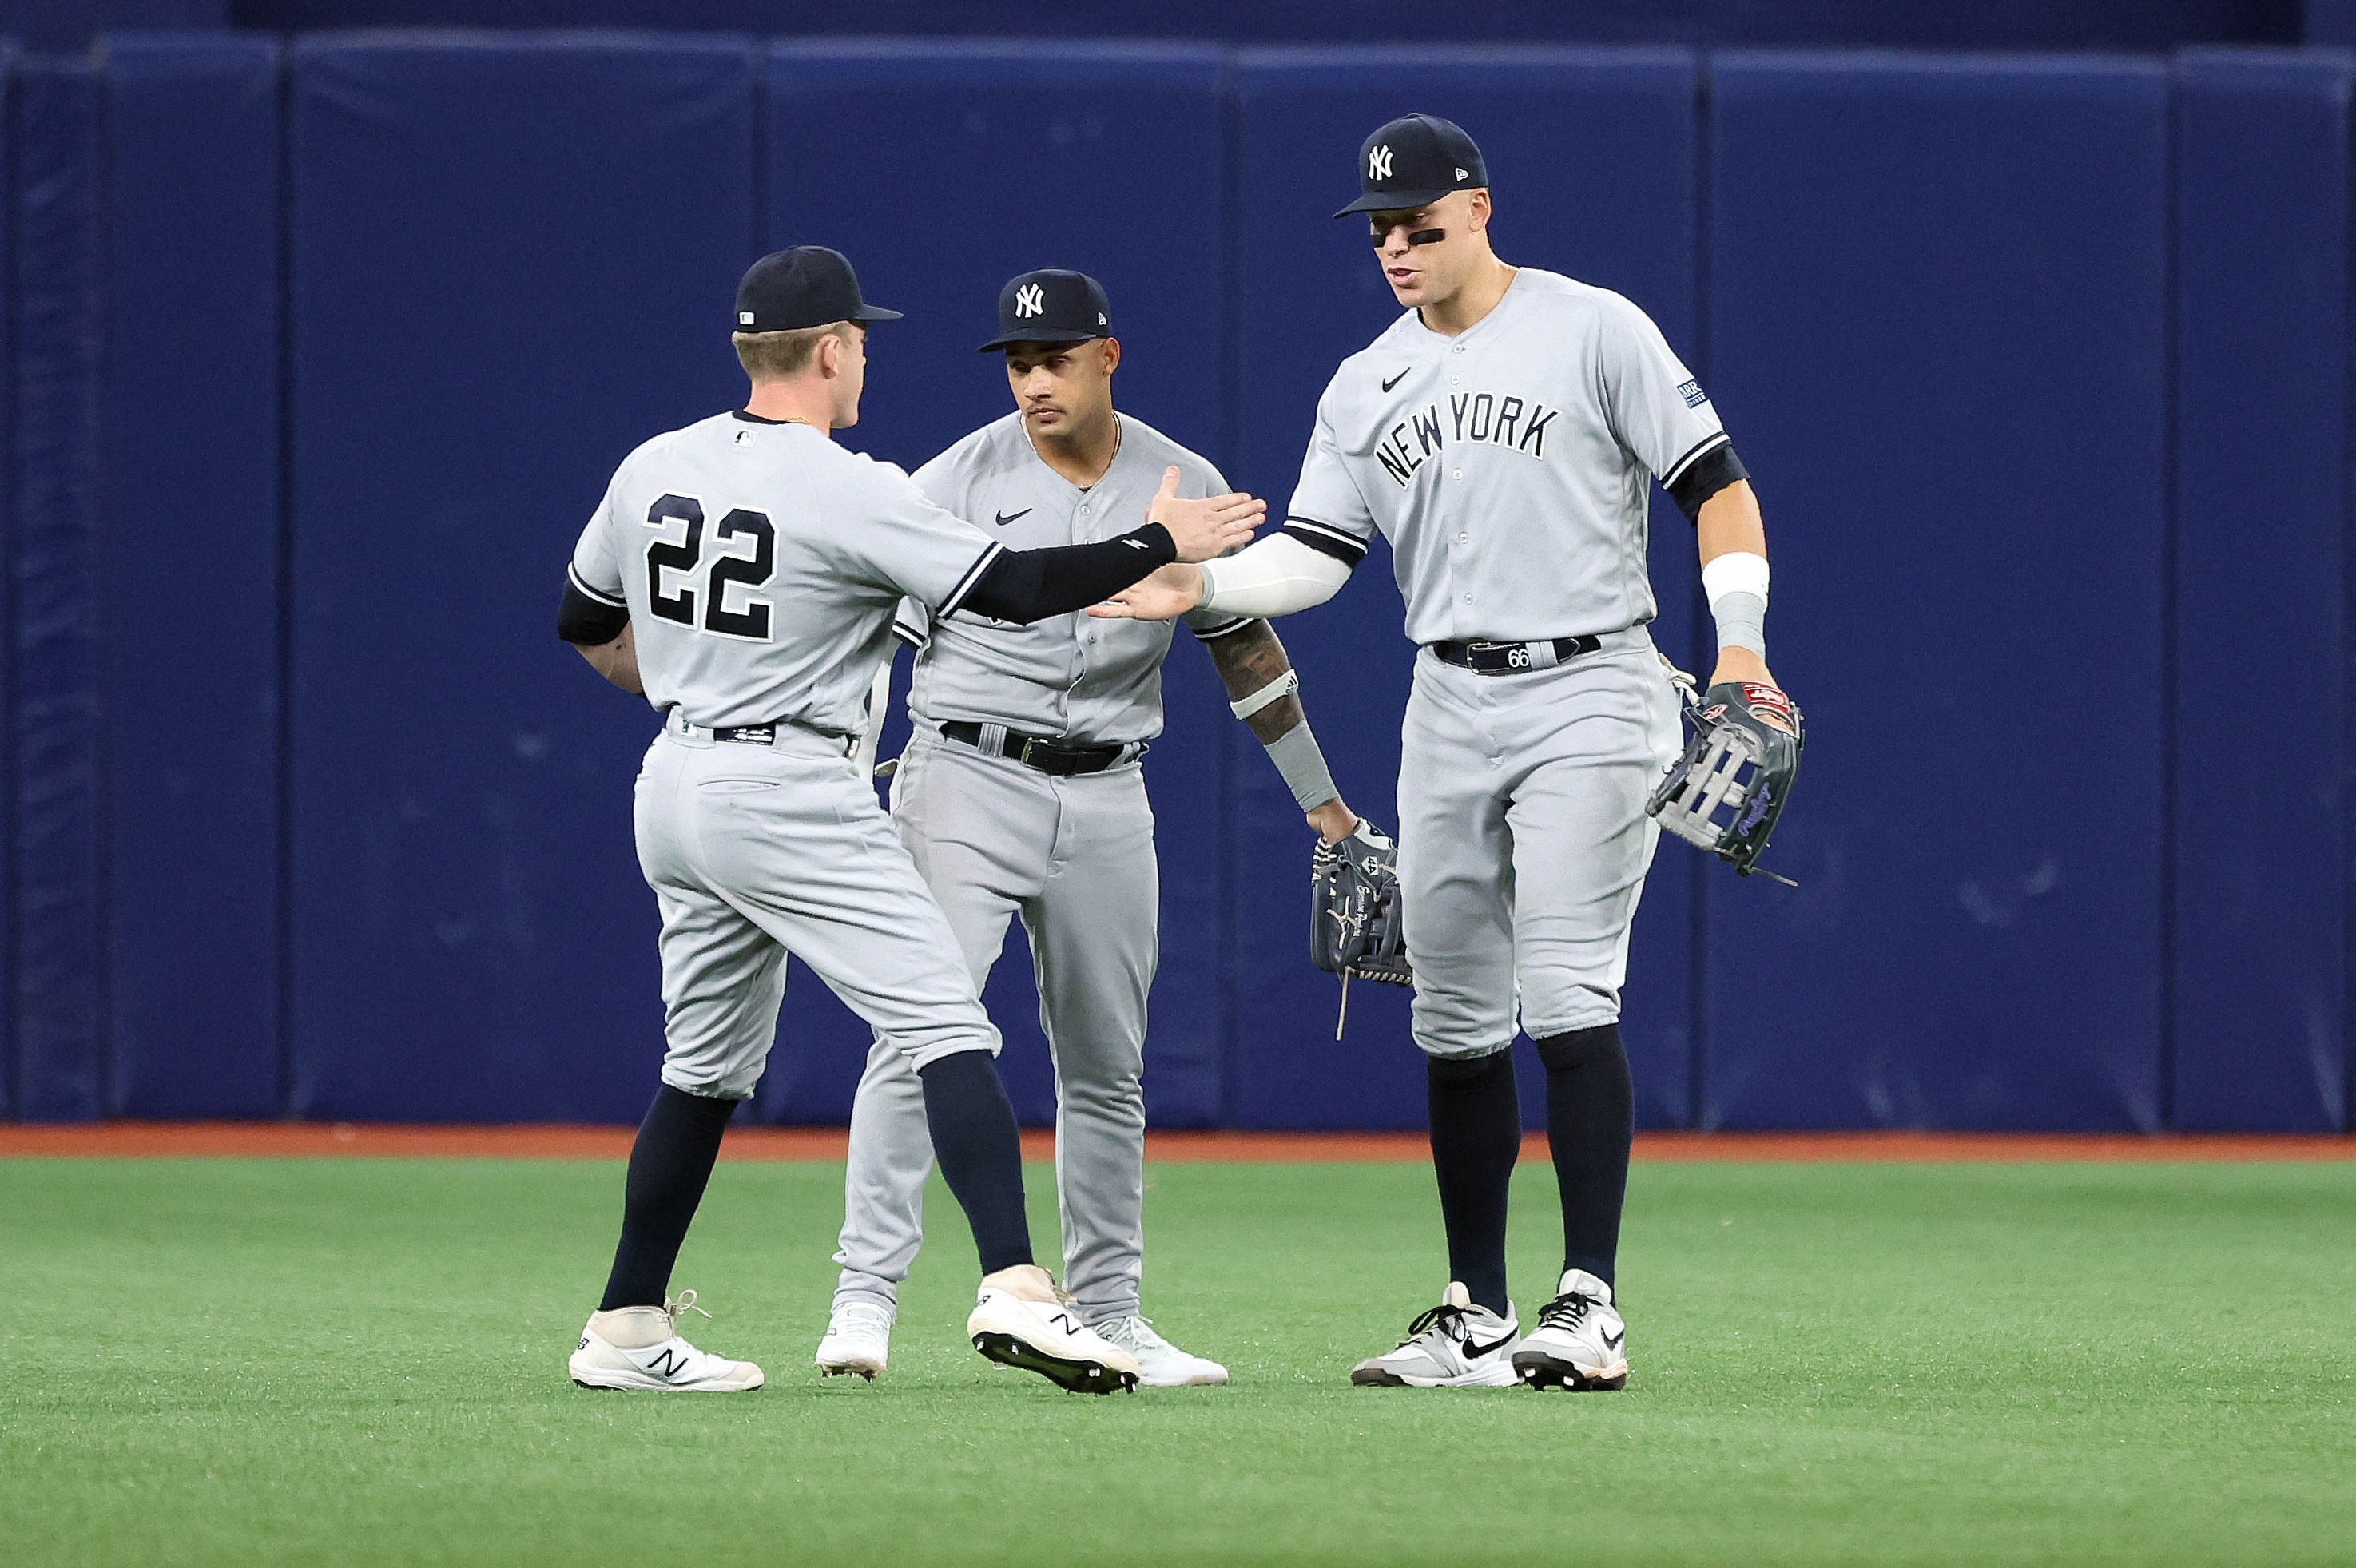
{"x": 1020, "y": 1322}
{"x": 857, "y": 1340}
{"x": 1455, "y": 1344}
{"x": 639, "y": 1348}
{"x": 1579, "y": 1344}
{"x": 1160, "y": 1363}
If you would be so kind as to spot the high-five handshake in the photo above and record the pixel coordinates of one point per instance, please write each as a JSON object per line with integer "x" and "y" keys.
{"x": 1207, "y": 528}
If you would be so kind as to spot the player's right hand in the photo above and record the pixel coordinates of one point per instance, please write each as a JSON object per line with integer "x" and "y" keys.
{"x": 1211, "y": 526}
{"x": 1164, "y": 596}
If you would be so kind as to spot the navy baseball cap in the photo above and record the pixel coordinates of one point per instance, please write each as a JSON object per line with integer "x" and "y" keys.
{"x": 808, "y": 285}
{"x": 1413, "y": 161}
{"x": 1050, "y": 306}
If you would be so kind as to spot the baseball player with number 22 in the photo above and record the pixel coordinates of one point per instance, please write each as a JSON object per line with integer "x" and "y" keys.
{"x": 1501, "y": 434}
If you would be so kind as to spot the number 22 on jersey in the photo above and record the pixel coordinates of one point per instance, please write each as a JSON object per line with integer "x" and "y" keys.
{"x": 681, "y": 577}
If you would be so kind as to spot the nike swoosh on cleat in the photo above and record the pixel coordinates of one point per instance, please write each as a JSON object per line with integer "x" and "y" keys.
{"x": 1394, "y": 380}
{"x": 1473, "y": 1347}
{"x": 1613, "y": 1341}
{"x": 1002, "y": 519}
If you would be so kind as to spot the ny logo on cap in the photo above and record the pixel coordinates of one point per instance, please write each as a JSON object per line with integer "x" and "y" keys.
{"x": 1029, "y": 300}
{"x": 1378, "y": 163}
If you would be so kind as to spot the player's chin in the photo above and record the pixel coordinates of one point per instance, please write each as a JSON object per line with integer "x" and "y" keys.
{"x": 1409, "y": 293}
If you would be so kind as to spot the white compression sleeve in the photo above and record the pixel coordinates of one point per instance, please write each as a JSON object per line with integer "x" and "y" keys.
{"x": 1275, "y": 576}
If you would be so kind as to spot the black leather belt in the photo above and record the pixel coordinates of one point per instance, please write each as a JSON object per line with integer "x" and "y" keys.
{"x": 1512, "y": 658}
{"x": 1039, "y": 752}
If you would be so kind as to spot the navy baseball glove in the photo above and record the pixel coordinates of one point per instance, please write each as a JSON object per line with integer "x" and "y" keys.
{"x": 1356, "y": 925}
{"x": 1728, "y": 790}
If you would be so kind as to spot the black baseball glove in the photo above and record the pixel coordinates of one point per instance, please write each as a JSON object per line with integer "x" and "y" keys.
{"x": 1356, "y": 925}
{"x": 1735, "y": 778}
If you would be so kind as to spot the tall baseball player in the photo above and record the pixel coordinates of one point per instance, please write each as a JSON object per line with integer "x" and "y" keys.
{"x": 1501, "y": 434}
{"x": 1020, "y": 793}
{"x": 742, "y": 573}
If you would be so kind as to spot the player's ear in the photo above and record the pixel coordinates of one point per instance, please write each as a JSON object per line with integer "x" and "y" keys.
{"x": 1480, "y": 210}
{"x": 1109, "y": 349}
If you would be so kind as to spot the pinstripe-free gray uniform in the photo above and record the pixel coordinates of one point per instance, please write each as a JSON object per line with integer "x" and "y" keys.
{"x": 760, "y": 564}
{"x": 1074, "y": 857}
{"x": 1509, "y": 467}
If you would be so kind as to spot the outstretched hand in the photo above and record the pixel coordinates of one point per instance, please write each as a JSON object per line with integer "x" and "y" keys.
{"x": 1208, "y": 528}
{"x": 1164, "y": 596}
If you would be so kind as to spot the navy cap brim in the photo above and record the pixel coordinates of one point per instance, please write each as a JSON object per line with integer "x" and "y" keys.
{"x": 1396, "y": 200}
{"x": 1042, "y": 335}
{"x": 876, "y": 313}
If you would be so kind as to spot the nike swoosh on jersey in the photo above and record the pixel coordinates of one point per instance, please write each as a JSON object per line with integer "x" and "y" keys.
{"x": 1394, "y": 380}
{"x": 1474, "y": 1348}
{"x": 1002, "y": 519}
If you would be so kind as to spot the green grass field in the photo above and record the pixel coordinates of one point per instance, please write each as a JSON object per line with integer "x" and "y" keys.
{"x": 265, "y": 1362}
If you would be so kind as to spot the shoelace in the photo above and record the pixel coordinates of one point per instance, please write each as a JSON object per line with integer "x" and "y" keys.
{"x": 683, "y": 1302}
{"x": 1134, "y": 1332}
{"x": 1567, "y": 1312}
{"x": 1447, "y": 1317}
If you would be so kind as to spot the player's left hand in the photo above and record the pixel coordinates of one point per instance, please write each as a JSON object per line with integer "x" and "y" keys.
{"x": 1741, "y": 664}
{"x": 1169, "y": 593}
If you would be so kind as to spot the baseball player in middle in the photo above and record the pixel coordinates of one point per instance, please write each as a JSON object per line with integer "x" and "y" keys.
{"x": 1020, "y": 793}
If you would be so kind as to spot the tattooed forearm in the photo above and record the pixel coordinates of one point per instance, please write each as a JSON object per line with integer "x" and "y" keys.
{"x": 1247, "y": 661}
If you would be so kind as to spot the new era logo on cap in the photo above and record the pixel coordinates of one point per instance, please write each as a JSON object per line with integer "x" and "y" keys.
{"x": 743, "y": 318}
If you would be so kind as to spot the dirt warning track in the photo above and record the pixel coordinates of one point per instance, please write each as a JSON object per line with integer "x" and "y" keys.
{"x": 158, "y": 1140}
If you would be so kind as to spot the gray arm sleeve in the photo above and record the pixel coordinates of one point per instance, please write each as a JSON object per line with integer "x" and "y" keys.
{"x": 1296, "y": 757}
{"x": 1742, "y": 623}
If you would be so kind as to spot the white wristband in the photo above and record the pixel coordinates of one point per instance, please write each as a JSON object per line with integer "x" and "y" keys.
{"x": 1737, "y": 572}
{"x": 1276, "y": 690}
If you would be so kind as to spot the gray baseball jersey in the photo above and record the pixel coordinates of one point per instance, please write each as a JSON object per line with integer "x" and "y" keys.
{"x": 1507, "y": 465}
{"x": 705, "y": 532}
{"x": 760, "y": 564}
{"x": 1072, "y": 857}
{"x": 1072, "y": 677}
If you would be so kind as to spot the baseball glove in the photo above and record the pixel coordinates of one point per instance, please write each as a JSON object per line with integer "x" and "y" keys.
{"x": 1728, "y": 790}
{"x": 1356, "y": 923}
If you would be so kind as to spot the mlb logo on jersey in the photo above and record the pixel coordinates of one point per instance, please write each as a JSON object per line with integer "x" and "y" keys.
{"x": 1693, "y": 394}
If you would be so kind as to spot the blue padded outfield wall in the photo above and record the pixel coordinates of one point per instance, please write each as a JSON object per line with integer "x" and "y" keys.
{"x": 320, "y": 350}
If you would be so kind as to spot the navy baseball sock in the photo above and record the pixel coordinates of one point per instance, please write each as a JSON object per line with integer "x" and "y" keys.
{"x": 980, "y": 1151}
{"x": 1591, "y": 1117}
{"x": 1476, "y": 1136}
{"x": 670, "y": 1163}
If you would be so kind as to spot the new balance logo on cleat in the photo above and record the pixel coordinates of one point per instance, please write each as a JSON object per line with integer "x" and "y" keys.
{"x": 667, "y": 1363}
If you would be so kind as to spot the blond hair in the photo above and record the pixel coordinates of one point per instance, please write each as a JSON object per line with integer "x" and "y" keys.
{"x": 781, "y": 356}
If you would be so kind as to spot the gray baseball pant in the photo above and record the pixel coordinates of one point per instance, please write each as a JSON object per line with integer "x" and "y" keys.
{"x": 1074, "y": 857}
{"x": 755, "y": 850}
{"x": 1524, "y": 841}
